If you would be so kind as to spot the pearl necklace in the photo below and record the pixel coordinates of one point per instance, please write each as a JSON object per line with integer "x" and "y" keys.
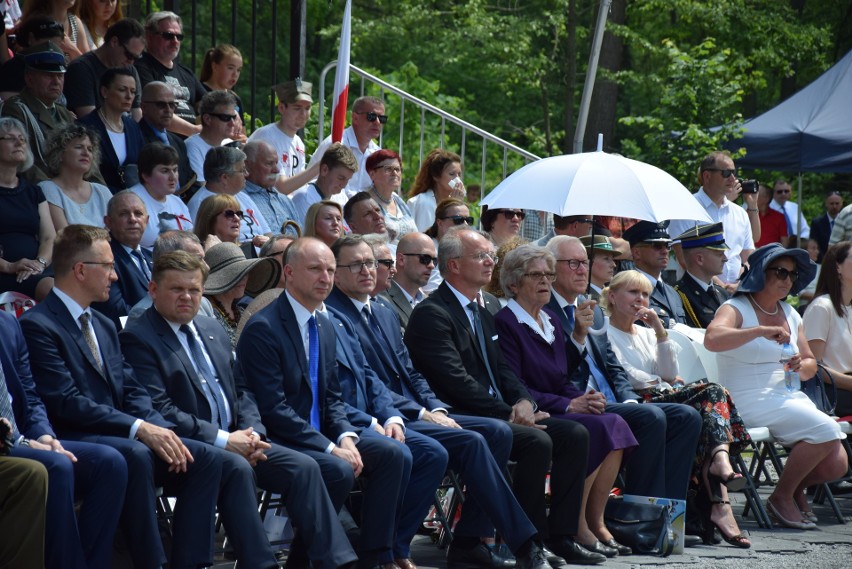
{"x": 110, "y": 126}
{"x": 753, "y": 301}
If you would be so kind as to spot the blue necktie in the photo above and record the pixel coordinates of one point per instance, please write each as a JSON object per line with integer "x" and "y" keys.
{"x": 602, "y": 385}
{"x": 787, "y": 219}
{"x": 143, "y": 264}
{"x": 480, "y": 337}
{"x": 313, "y": 369}
{"x": 212, "y": 391}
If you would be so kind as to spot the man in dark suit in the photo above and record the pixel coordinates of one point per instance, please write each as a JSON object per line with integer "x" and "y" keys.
{"x": 163, "y": 346}
{"x": 667, "y": 433}
{"x": 822, "y": 226}
{"x": 703, "y": 249}
{"x": 97, "y": 474}
{"x": 370, "y": 406}
{"x": 158, "y": 108}
{"x": 650, "y": 244}
{"x": 91, "y": 395}
{"x": 452, "y": 341}
{"x": 126, "y": 220}
{"x": 412, "y": 273}
{"x": 470, "y": 451}
{"x": 286, "y": 358}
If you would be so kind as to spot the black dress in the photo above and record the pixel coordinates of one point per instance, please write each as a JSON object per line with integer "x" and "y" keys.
{"x": 20, "y": 226}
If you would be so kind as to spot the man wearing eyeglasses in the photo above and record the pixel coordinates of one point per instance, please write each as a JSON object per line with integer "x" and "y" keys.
{"x": 781, "y": 192}
{"x": 415, "y": 260}
{"x": 158, "y": 107}
{"x": 218, "y": 119}
{"x": 123, "y": 44}
{"x": 718, "y": 178}
{"x": 163, "y": 36}
{"x": 368, "y": 120}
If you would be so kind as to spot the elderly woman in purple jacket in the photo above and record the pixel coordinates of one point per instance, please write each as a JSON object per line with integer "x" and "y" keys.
{"x": 533, "y": 345}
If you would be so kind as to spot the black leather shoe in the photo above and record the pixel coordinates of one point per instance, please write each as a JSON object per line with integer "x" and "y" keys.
{"x": 574, "y": 553}
{"x": 692, "y": 541}
{"x": 535, "y": 558}
{"x": 622, "y": 549}
{"x": 552, "y": 558}
{"x": 600, "y": 547}
{"x": 477, "y": 556}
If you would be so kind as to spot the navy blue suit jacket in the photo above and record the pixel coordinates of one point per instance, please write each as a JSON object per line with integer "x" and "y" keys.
{"x": 272, "y": 365}
{"x": 77, "y": 396}
{"x": 30, "y": 414}
{"x": 130, "y": 288}
{"x": 443, "y": 346}
{"x": 160, "y": 362}
{"x": 601, "y": 352}
{"x": 109, "y": 160}
{"x": 364, "y": 394}
{"x": 388, "y": 356}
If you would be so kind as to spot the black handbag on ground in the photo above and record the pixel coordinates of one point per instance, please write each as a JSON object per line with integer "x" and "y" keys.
{"x": 645, "y": 528}
{"x": 822, "y": 390}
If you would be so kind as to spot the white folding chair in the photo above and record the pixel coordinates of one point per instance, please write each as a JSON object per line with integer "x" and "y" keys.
{"x": 689, "y": 364}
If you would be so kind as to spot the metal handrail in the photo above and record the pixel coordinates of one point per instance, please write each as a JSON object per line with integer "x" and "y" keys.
{"x": 425, "y": 107}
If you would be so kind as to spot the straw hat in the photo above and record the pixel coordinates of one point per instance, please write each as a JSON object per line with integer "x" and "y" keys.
{"x": 228, "y": 265}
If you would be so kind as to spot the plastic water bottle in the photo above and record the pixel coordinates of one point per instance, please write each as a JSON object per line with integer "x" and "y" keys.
{"x": 791, "y": 378}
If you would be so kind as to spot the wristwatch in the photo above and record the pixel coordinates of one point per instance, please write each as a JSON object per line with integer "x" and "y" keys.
{"x": 42, "y": 260}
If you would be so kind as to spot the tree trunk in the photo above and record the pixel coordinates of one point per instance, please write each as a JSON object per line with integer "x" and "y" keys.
{"x": 602, "y": 113}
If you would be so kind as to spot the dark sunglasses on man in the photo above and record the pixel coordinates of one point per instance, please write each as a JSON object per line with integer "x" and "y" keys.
{"x": 170, "y": 36}
{"x": 223, "y": 117}
{"x": 371, "y": 117}
{"x": 424, "y": 258}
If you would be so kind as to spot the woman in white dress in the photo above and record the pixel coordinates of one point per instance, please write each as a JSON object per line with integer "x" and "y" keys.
{"x": 828, "y": 322}
{"x": 748, "y": 333}
{"x": 435, "y": 182}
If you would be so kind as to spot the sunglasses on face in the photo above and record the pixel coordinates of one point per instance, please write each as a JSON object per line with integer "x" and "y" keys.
{"x": 511, "y": 214}
{"x": 130, "y": 55}
{"x": 371, "y": 117}
{"x": 386, "y": 263}
{"x": 223, "y": 117}
{"x": 170, "y": 36}
{"x": 423, "y": 258}
{"x": 459, "y": 219}
{"x": 782, "y": 191}
{"x": 231, "y": 214}
{"x": 163, "y": 104}
{"x": 783, "y": 274}
{"x": 726, "y": 172}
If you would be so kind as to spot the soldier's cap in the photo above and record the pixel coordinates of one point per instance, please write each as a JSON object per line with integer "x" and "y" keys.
{"x": 293, "y": 91}
{"x": 602, "y": 245}
{"x": 648, "y": 232}
{"x": 45, "y": 56}
{"x": 709, "y": 236}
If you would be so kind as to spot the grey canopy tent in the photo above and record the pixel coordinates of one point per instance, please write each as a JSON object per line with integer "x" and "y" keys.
{"x": 809, "y": 132}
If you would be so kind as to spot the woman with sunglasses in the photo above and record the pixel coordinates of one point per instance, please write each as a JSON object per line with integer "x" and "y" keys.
{"x": 502, "y": 224}
{"x": 449, "y": 213}
{"x": 218, "y": 216}
{"x": 750, "y": 333}
{"x": 532, "y": 344}
{"x": 26, "y": 230}
{"x": 324, "y": 221}
{"x": 158, "y": 172}
{"x": 439, "y": 179}
{"x": 120, "y": 137}
{"x": 385, "y": 170}
{"x": 650, "y": 360}
{"x": 828, "y": 322}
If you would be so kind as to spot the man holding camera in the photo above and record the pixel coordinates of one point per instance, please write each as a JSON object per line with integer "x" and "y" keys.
{"x": 718, "y": 177}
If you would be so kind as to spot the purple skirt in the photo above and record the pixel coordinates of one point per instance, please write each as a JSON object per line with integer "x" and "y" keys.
{"x": 607, "y": 432}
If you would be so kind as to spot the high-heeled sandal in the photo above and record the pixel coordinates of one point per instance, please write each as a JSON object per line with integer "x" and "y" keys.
{"x": 740, "y": 540}
{"x": 733, "y": 482}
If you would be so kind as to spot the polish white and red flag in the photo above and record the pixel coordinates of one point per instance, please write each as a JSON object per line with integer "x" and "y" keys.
{"x": 341, "y": 77}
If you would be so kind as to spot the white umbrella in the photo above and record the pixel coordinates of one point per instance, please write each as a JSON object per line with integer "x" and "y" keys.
{"x": 597, "y": 183}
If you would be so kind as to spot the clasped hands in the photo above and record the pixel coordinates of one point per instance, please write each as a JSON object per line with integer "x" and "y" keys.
{"x": 247, "y": 444}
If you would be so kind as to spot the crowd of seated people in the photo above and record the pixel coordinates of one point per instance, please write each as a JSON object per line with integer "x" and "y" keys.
{"x": 216, "y": 317}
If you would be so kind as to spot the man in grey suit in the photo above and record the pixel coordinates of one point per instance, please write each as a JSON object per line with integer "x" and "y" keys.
{"x": 415, "y": 260}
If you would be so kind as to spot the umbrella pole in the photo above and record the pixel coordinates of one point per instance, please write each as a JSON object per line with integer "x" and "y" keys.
{"x": 591, "y": 259}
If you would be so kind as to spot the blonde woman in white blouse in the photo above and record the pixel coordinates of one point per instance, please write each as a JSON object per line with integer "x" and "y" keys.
{"x": 650, "y": 360}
